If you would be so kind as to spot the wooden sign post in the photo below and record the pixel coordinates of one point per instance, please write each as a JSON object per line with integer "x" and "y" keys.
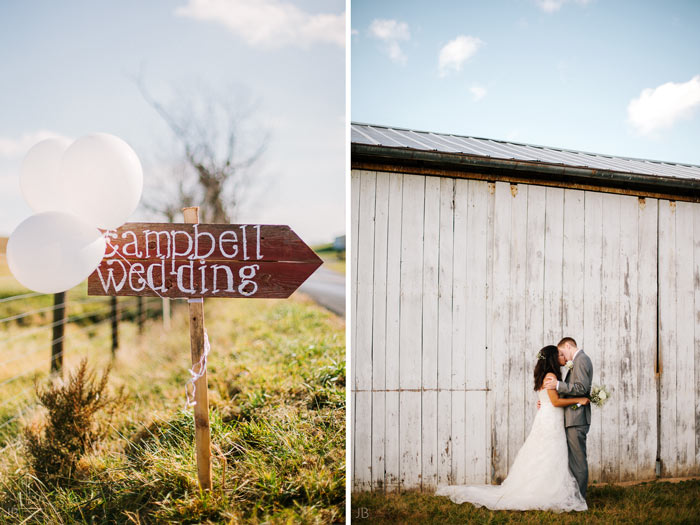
{"x": 202, "y": 433}
{"x": 194, "y": 261}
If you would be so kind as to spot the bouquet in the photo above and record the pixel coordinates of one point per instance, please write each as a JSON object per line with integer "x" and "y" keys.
{"x": 599, "y": 395}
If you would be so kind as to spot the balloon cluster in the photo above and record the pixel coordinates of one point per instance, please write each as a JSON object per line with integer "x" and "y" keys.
{"x": 74, "y": 188}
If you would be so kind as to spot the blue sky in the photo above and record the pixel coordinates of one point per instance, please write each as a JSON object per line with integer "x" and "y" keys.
{"x": 617, "y": 77}
{"x": 67, "y": 69}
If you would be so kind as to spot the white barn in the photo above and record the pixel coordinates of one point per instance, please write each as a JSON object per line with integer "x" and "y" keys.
{"x": 468, "y": 255}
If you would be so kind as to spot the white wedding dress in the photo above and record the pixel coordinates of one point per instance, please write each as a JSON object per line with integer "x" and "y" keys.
{"x": 539, "y": 478}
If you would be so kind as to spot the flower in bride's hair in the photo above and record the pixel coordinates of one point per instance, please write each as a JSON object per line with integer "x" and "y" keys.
{"x": 540, "y": 355}
{"x": 569, "y": 365}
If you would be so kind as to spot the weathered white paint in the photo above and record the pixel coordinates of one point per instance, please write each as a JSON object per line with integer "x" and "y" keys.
{"x": 685, "y": 330}
{"x": 465, "y": 281}
{"x": 500, "y": 324}
{"x": 379, "y": 329}
{"x": 646, "y": 342}
{"x": 393, "y": 297}
{"x": 444, "y": 322}
{"x": 364, "y": 364}
{"x": 667, "y": 334}
{"x": 608, "y": 363}
{"x": 410, "y": 338}
{"x": 628, "y": 328}
{"x": 430, "y": 323}
{"x": 678, "y": 313}
{"x": 593, "y": 315}
{"x": 696, "y": 281}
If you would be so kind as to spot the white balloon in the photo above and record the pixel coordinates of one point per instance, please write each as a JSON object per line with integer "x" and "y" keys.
{"x": 39, "y": 175}
{"x": 103, "y": 180}
{"x": 54, "y": 251}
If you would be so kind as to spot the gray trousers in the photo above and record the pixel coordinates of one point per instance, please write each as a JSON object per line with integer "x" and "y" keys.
{"x": 578, "y": 460}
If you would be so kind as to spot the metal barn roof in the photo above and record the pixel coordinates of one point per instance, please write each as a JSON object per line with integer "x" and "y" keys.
{"x": 387, "y": 137}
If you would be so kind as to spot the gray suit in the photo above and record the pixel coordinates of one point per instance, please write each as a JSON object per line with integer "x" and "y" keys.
{"x": 577, "y": 421}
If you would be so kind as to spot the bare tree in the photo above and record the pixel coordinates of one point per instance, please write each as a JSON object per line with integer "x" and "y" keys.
{"x": 170, "y": 187}
{"x": 220, "y": 152}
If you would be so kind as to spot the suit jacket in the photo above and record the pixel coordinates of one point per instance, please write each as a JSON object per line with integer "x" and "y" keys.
{"x": 577, "y": 384}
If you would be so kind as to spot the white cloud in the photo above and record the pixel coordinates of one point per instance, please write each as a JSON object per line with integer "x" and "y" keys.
{"x": 391, "y": 33}
{"x": 660, "y": 107}
{"x": 551, "y": 6}
{"x": 269, "y": 23}
{"x": 456, "y": 52}
{"x": 11, "y": 147}
{"x": 478, "y": 92}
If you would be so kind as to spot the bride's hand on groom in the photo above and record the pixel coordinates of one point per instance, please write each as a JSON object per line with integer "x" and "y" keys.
{"x": 584, "y": 401}
{"x": 550, "y": 383}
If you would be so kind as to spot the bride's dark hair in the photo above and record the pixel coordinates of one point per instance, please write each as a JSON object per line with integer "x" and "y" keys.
{"x": 547, "y": 361}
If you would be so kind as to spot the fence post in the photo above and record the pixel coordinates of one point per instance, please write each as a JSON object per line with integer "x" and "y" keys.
{"x": 59, "y": 325}
{"x": 139, "y": 314}
{"x": 115, "y": 325}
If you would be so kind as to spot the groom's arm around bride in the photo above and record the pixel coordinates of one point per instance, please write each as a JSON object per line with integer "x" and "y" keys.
{"x": 581, "y": 377}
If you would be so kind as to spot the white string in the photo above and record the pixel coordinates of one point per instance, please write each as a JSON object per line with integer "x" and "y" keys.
{"x": 190, "y": 401}
{"x": 23, "y": 296}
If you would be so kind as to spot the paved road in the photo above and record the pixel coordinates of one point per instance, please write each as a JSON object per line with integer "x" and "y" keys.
{"x": 327, "y": 288}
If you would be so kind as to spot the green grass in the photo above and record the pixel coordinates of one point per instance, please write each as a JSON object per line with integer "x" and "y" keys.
{"x": 277, "y": 403}
{"x": 653, "y": 502}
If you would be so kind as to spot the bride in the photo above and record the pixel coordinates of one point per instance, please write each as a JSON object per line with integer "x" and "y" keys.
{"x": 539, "y": 478}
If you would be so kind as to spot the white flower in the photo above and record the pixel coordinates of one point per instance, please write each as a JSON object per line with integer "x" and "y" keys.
{"x": 602, "y": 395}
{"x": 569, "y": 365}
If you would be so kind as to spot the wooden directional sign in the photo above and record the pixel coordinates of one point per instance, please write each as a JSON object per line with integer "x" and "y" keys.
{"x": 203, "y": 260}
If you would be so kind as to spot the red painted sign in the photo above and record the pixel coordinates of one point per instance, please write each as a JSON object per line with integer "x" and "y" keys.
{"x": 203, "y": 260}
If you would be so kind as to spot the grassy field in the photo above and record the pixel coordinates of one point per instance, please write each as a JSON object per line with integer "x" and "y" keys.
{"x": 331, "y": 259}
{"x": 654, "y": 502}
{"x": 8, "y": 284}
{"x": 277, "y": 399}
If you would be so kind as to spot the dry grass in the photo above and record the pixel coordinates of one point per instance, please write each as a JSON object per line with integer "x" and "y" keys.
{"x": 8, "y": 284}
{"x": 71, "y": 423}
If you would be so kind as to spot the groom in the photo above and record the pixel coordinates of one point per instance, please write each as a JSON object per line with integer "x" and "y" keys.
{"x": 577, "y": 419}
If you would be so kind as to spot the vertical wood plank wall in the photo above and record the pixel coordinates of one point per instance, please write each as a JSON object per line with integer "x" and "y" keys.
{"x": 679, "y": 337}
{"x": 456, "y": 285}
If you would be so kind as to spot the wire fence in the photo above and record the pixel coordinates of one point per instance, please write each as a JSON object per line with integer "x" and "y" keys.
{"x": 24, "y": 360}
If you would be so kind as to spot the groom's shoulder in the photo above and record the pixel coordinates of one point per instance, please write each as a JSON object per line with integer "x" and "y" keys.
{"x": 585, "y": 357}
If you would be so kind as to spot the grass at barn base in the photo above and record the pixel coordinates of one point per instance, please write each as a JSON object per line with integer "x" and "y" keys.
{"x": 277, "y": 402}
{"x": 652, "y": 502}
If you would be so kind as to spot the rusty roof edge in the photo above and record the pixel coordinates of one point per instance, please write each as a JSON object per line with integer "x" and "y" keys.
{"x": 388, "y": 154}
